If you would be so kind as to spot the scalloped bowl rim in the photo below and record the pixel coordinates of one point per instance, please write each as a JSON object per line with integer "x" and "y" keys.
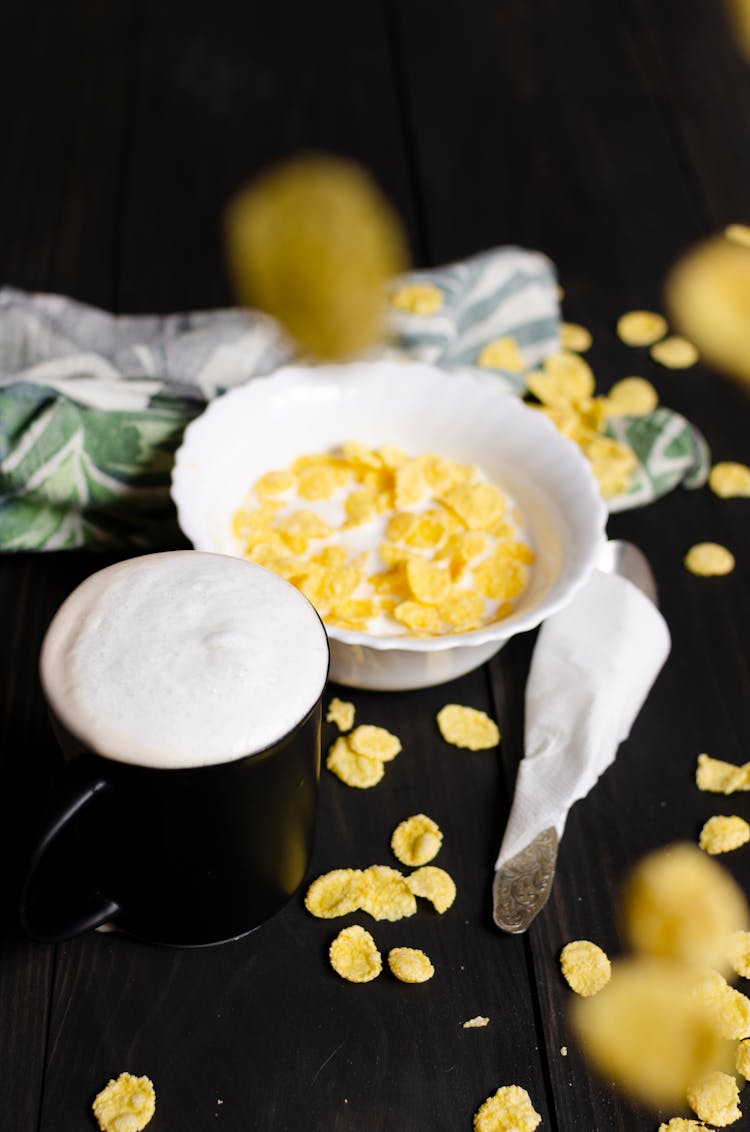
{"x": 591, "y": 512}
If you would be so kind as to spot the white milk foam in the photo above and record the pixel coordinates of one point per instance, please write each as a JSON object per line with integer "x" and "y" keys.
{"x": 183, "y": 659}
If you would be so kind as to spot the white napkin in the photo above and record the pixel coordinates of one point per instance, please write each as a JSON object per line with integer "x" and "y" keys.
{"x": 593, "y": 665}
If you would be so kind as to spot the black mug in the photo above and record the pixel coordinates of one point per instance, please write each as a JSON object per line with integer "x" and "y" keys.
{"x": 188, "y": 856}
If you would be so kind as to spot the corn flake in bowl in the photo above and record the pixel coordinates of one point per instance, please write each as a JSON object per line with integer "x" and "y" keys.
{"x": 428, "y": 516}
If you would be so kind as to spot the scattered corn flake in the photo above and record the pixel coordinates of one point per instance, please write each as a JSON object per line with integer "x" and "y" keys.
{"x": 410, "y": 965}
{"x": 354, "y": 956}
{"x": 353, "y": 769}
{"x": 709, "y": 560}
{"x": 729, "y": 479}
{"x": 641, "y": 328}
{"x": 334, "y": 894}
{"x": 417, "y": 298}
{"x": 433, "y": 884}
{"x": 467, "y": 727}
{"x": 646, "y": 1032}
{"x": 385, "y": 894}
{"x": 738, "y": 234}
{"x": 728, "y": 1009}
{"x": 612, "y": 463}
{"x": 723, "y": 833}
{"x": 509, "y": 1110}
{"x": 674, "y": 352}
{"x": 476, "y": 1023}
{"x": 575, "y": 337}
{"x": 585, "y": 967}
{"x": 126, "y": 1104}
{"x": 715, "y": 1098}
{"x": 374, "y": 742}
{"x": 428, "y": 530}
{"x": 341, "y": 712}
{"x": 738, "y": 953}
{"x": 360, "y": 506}
{"x": 630, "y": 397}
{"x": 416, "y": 840}
{"x": 304, "y": 525}
{"x": 680, "y": 1124}
{"x": 563, "y": 1051}
{"x": 680, "y": 904}
{"x": 742, "y": 1058}
{"x": 718, "y": 777}
{"x": 501, "y": 353}
{"x": 567, "y": 379}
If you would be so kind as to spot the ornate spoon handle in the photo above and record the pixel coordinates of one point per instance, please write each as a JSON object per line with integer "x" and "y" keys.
{"x": 522, "y": 885}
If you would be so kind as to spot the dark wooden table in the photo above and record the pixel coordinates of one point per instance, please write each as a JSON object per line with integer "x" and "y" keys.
{"x": 610, "y": 135}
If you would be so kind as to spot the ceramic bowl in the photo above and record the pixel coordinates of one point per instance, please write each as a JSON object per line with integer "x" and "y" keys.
{"x": 271, "y": 420}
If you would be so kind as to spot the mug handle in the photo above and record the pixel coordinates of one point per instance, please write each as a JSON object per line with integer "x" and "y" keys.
{"x": 81, "y": 787}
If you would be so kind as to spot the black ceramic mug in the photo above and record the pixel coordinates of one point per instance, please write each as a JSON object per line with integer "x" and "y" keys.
{"x": 182, "y": 855}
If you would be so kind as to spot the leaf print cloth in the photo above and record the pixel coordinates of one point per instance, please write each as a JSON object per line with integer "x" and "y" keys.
{"x": 93, "y": 405}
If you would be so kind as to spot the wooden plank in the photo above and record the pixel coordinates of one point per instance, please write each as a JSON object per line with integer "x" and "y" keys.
{"x": 64, "y": 123}
{"x": 61, "y": 103}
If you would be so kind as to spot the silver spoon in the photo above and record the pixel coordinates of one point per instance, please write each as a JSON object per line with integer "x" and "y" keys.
{"x": 522, "y": 886}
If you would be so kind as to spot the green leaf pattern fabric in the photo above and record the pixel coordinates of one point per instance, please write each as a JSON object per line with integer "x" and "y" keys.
{"x": 93, "y": 406}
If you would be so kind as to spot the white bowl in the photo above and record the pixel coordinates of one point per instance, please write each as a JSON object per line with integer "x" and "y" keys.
{"x": 268, "y": 422}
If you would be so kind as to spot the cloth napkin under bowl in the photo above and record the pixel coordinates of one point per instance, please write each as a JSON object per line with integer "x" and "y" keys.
{"x": 93, "y": 405}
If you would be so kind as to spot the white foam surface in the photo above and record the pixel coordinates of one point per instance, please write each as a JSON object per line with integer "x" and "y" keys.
{"x": 183, "y": 659}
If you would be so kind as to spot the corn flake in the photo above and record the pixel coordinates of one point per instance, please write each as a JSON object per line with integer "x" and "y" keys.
{"x": 428, "y": 583}
{"x": 467, "y": 727}
{"x": 416, "y": 840}
{"x": 374, "y": 743}
{"x": 410, "y": 965}
{"x": 501, "y": 353}
{"x": 641, "y": 328}
{"x": 715, "y": 1098}
{"x": 680, "y": 904}
{"x": 585, "y": 967}
{"x": 273, "y": 484}
{"x": 385, "y": 894}
{"x": 476, "y": 1023}
{"x": 334, "y": 894}
{"x": 742, "y": 1058}
{"x": 728, "y": 1009}
{"x": 729, "y": 479}
{"x": 718, "y": 777}
{"x": 126, "y": 1104}
{"x": 433, "y": 884}
{"x": 721, "y": 834}
{"x": 353, "y": 769}
{"x": 709, "y": 560}
{"x": 630, "y": 397}
{"x": 417, "y": 298}
{"x": 674, "y": 352}
{"x": 509, "y": 1110}
{"x": 421, "y": 618}
{"x": 340, "y": 712}
{"x": 646, "y": 1032}
{"x": 462, "y": 610}
{"x": 738, "y": 953}
{"x": 354, "y": 956}
{"x": 575, "y": 337}
{"x": 738, "y": 234}
{"x": 477, "y": 505}
{"x": 680, "y": 1124}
